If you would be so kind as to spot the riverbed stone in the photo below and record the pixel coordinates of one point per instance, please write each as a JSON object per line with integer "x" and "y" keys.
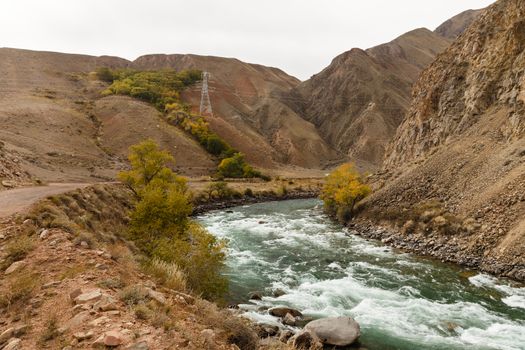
{"x": 255, "y": 295}
{"x": 278, "y": 293}
{"x": 289, "y": 320}
{"x": 338, "y": 331}
{"x": 13, "y": 344}
{"x": 285, "y": 334}
{"x": 281, "y": 311}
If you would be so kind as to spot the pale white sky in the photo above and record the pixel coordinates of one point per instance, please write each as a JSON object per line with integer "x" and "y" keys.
{"x": 299, "y": 36}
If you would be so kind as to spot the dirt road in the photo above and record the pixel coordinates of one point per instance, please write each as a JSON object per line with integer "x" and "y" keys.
{"x": 13, "y": 201}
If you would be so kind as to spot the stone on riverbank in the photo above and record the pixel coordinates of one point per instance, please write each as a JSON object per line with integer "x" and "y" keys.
{"x": 338, "y": 331}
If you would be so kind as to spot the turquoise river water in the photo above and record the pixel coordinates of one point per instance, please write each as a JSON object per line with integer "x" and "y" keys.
{"x": 401, "y": 301}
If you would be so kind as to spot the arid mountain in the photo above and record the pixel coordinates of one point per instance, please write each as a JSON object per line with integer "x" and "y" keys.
{"x": 247, "y": 111}
{"x": 462, "y": 143}
{"x": 55, "y": 121}
{"x": 455, "y": 26}
{"x": 60, "y": 128}
{"x": 358, "y": 101}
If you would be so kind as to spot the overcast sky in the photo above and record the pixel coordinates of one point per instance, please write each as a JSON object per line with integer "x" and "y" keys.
{"x": 298, "y": 36}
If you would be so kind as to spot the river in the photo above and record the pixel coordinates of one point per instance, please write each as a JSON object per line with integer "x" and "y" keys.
{"x": 400, "y": 300}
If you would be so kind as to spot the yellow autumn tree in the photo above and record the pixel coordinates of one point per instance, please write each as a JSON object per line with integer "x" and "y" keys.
{"x": 160, "y": 224}
{"x": 343, "y": 189}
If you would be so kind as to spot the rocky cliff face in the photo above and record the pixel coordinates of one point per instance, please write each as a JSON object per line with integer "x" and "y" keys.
{"x": 484, "y": 69}
{"x": 461, "y": 149}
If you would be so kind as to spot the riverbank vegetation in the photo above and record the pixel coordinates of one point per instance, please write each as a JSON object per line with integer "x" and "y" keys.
{"x": 343, "y": 190}
{"x": 160, "y": 225}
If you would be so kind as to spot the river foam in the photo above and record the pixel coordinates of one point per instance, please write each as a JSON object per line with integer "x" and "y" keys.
{"x": 400, "y": 301}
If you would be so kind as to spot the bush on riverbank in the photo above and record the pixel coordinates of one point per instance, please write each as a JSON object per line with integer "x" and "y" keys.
{"x": 343, "y": 189}
{"x": 160, "y": 224}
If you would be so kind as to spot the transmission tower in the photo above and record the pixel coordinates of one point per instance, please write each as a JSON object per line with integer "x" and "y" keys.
{"x": 205, "y": 96}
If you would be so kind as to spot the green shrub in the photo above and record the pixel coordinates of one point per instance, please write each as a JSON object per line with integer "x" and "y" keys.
{"x": 162, "y": 89}
{"x": 105, "y": 74}
{"x": 236, "y": 167}
{"x": 201, "y": 256}
{"x": 199, "y": 129}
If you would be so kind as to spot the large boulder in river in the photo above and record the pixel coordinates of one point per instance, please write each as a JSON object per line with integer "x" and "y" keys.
{"x": 338, "y": 331}
{"x": 282, "y": 311}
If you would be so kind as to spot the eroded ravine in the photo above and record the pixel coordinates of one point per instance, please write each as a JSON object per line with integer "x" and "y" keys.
{"x": 401, "y": 301}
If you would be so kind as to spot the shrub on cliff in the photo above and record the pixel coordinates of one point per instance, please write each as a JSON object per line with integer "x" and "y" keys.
{"x": 160, "y": 224}
{"x": 343, "y": 189}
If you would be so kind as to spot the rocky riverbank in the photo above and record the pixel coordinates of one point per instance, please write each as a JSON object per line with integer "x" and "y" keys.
{"x": 204, "y": 207}
{"x": 454, "y": 249}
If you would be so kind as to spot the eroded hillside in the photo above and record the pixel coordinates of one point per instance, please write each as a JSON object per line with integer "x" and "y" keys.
{"x": 63, "y": 130}
{"x": 462, "y": 143}
{"x": 248, "y": 111}
{"x": 358, "y": 101}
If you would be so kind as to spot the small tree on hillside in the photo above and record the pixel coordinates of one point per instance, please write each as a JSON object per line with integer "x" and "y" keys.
{"x": 149, "y": 164}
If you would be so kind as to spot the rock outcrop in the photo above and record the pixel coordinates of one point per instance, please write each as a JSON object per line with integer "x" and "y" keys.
{"x": 461, "y": 151}
{"x": 482, "y": 70}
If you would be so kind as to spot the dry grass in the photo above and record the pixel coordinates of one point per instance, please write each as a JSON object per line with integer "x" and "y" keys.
{"x": 254, "y": 188}
{"x": 50, "y": 331}
{"x": 142, "y": 312}
{"x": 133, "y": 295}
{"x": 167, "y": 274}
{"x": 236, "y": 329}
{"x": 79, "y": 211}
{"x": 19, "y": 247}
{"x": 18, "y": 289}
{"x": 112, "y": 283}
{"x": 73, "y": 271}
